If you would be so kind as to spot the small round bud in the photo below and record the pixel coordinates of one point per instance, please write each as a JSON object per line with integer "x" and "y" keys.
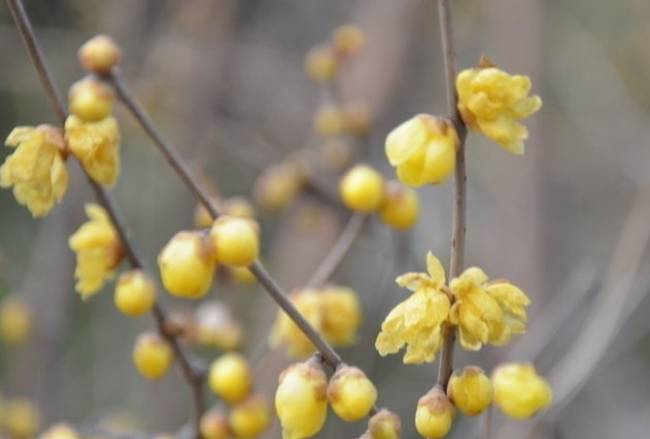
{"x": 434, "y": 415}
{"x": 470, "y": 390}
{"x": 400, "y": 208}
{"x": 250, "y": 418}
{"x": 235, "y": 240}
{"x": 385, "y": 425}
{"x": 230, "y": 377}
{"x": 187, "y": 265}
{"x": 336, "y": 154}
{"x": 241, "y": 275}
{"x": 214, "y": 425}
{"x": 321, "y": 64}
{"x": 348, "y": 40}
{"x": 301, "y": 400}
{"x": 239, "y": 207}
{"x": 21, "y": 418}
{"x": 340, "y": 315}
{"x": 278, "y": 186}
{"x": 135, "y": 293}
{"x": 60, "y": 431}
{"x": 329, "y": 121}
{"x": 99, "y": 54}
{"x": 351, "y": 394}
{"x": 519, "y": 391}
{"x": 90, "y": 100}
{"x": 152, "y": 356}
{"x": 15, "y": 321}
{"x": 362, "y": 189}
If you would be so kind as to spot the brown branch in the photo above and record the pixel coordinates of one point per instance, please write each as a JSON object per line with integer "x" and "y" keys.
{"x": 338, "y": 251}
{"x": 177, "y": 164}
{"x": 457, "y": 255}
{"x": 193, "y": 376}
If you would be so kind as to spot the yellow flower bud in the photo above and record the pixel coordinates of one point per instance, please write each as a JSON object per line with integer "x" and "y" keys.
{"x": 239, "y": 207}
{"x": 21, "y": 418}
{"x": 348, "y": 40}
{"x": 135, "y": 293}
{"x": 250, "y": 418}
{"x": 60, "y": 431}
{"x": 214, "y": 425}
{"x": 99, "y": 54}
{"x": 230, "y": 377}
{"x": 321, "y": 64}
{"x": 97, "y": 146}
{"x": 187, "y": 265}
{"x": 351, "y": 394}
{"x": 278, "y": 186}
{"x": 90, "y": 100}
{"x": 492, "y": 102}
{"x": 15, "y": 321}
{"x": 287, "y": 333}
{"x": 202, "y": 218}
{"x": 362, "y": 189}
{"x": 434, "y": 415}
{"x": 357, "y": 120}
{"x": 385, "y": 425}
{"x": 301, "y": 400}
{"x": 242, "y": 275}
{"x": 36, "y": 169}
{"x": 519, "y": 391}
{"x": 470, "y": 390}
{"x": 98, "y": 250}
{"x": 401, "y": 206}
{"x": 235, "y": 240}
{"x": 329, "y": 121}
{"x": 337, "y": 154}
{"x": 423, "y": 149}
{"x": 341, "y": 315}
{"x": 152, "y": 356}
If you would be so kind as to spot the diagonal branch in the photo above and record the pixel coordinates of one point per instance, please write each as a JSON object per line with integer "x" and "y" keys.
{"x": 460, "y": 182}
{"x": 192, "y": 375}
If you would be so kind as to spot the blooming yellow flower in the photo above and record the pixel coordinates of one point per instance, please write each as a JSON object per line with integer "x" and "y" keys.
{"x": 36, "y": 169}
{"x": 416, "y": 322}
{"x": 492, "y": 101}
{"x": 97, "y": 146}
{"x": 286, "y": 332}
{"x": 519, "y": 391}
{"x": 486, "y": 312}
{"x": 423, "y": 149}
{"x": 340, "y": 315}
{"x": 98, "y": 250}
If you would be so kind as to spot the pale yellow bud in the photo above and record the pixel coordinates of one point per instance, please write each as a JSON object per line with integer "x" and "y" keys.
{"x": 152, "y": 356}
{"x": 90, "y": 100}
{"x": 99, "y": 54}
{"x": 519, "y": 391}
{"x": 362, "y": 189}
{"x": 351, "y": 394}
{"x": 470, "y": 390}
{"x": 384, "y": 425}
{"x": 230, "y": 377}
{"x": 250, "y": 418}
{"x": 135, "y": 293}
{"x": 214, "y": 425}
{"x": 434, "y": 415}
{"x": 321, "y": 64}
{"x": 400, "y": 208}
{"x": 15, "y": 321}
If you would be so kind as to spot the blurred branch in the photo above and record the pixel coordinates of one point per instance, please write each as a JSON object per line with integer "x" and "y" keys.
{"x": 193, "y": 376}
{"x": 460, "y": 183}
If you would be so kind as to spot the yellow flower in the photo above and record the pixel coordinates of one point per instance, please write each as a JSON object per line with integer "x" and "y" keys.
{"x": 21, "y": 418}
{"x": 321, "y": 64}
{"x": 60, "y": 431}
{"x": 470, "y": 390}
{"x": 230, "y": 377}
{"x": 341, "y": 315}
{"x": 135, "y": 293}
{"x": 434, "y": 415}
{"x": 36, "y": 169}
{"x": 351, "y": 394}
{"x": 90, "y": 100}
{"x": 152, "y": 355}
{"x": 362, "y": 188}
{"x": 416, "y": 321}
{"x": 99, "y": 54}
{"x": 348, "y": 39}
{"x": 486, "y": 312}
{"x": 278, "y": 185}
{"x": 97, "y": 146}
{"x": 236, "y": 240}
{"x": 423, "y": 149}
{"x": 400, "y": 208}
{"x": 492, "y": 101}
{"x": 250, "y": 418}
{"x": 15, "y": 321}
{"x": 384, "y": 425}
{"x": 287, "y": 333}
{"x": 519, "y": 391}
{"x": 98, "y": 250}
{"x": 301, "y": 400}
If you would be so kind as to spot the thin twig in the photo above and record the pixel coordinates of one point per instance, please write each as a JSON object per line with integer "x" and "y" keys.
{"x": 177, "y": 164}
{"x": 193, "y": 376}
{"x": 338, "y": 251}
{"x": 459, "y": 210}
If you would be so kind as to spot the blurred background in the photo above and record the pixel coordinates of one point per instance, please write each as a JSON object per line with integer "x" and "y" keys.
{"x": 224, "y": 80}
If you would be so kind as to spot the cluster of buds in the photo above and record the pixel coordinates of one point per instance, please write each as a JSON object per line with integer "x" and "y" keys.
{"x": 364, "y": 189}
{"x": 333, "y": 121}
{"x": 230, "y": 378}
{"x": 303, "y": 394}
{"x": 334, "y": 311}
{"x": 323, "y": 62}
